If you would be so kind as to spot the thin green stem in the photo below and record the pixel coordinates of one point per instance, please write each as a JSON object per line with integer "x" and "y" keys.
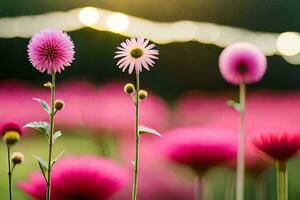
{"x": 230, "y": 186}
{"x": 260, "y": 188}
{"x": 9, "y": 173}
{"x": 52, "y": 114}
{"x": 240, "y": 177}
{"x": 137, "y": 140}
{"x": 282, "y": 180}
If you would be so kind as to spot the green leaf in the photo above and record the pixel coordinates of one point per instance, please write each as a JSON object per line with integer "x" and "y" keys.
{"x": 56, "y": 135}
{"x": 54, "y": 161}
{"x": 42, "y": 165}
{"x": 234, "y": 105}
{"x": 144, "y": 130}
{"x": 43, "y": 104}
{"x": 43, "y": 127}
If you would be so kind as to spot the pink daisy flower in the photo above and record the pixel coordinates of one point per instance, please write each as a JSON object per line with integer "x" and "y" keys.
{"x": 51, "y": 50}
{"x": 83, "y": 178}
{"x": 135, "y": 54}
{"x": 242, "y": 63}
{"x": 199, "y": 148}
{"x": 279, "y": 146}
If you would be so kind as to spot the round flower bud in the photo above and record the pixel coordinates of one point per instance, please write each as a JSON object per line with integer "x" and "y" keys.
{"x": 129, "y": 88}
{"x": 48, "y": 84}
{"x": 17, "y": 158}
{"x": 143, "y": 94}
{"x": 11, "y": 132}
{"x": 59, "y": 104}
{"x": 11, "y": 137}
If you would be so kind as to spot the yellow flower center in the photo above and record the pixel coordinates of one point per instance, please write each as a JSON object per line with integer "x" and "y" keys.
{"x": 136, "y": 53}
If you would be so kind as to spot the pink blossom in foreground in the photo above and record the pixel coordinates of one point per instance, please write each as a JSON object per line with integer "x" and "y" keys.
{"x": 51, "y": 50}
{"x": 199, "y": 148}
{"x": 242, "y": 63}
{"x": 86, "y": 178}
{"x": 135, "y": 53}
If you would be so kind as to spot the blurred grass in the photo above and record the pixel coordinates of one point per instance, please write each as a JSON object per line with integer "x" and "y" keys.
{"x": 79, "y": 144}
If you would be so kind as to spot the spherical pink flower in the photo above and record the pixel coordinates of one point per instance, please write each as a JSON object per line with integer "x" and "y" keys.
{"x": 135, "y": 54}
{"x": 199, "y": 148}
{"x": 86, "y": 177}
{"x": 242, "y": 63}
{"x": 279, "y": 146}
{"x": 51, "y": 50}
{"x": 11, "y": 127}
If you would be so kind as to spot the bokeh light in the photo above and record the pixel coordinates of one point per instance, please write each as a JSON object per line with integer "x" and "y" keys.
{"x": 117, "y": 22}
{"x": 88, "y": 16}
{"x": 288, "y": 43}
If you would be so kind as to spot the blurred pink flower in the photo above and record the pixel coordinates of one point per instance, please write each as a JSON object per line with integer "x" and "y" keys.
{"x": 242, "y": 62}
{"x": 11, "y": 126}
{"x": 199, "y": 148}
{"x": 78, "y": 96}
{"x": 279, "y": 146}
{"x": 16, "y": 102}
{"x": 196, "y": 108}
{"x": 135, "y": 54}
{"x": 51, "y": 50}
{"x": 86, "y": 177}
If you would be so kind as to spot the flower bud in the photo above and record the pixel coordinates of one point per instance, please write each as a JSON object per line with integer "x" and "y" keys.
{"x": 129, "y": 88}
{"x": 17, "y": 158}
{"x": 59, "y": 104}
{"x": 143, "y": 94}
{"x": 48, "y": 84}
{"x": 11, "y": 137}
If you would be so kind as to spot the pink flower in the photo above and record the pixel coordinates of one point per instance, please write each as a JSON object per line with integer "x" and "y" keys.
{"x": 279, "y": 146}
{"x": 199, "y": 148}
{"x": 11, "y": 127}
{"x": 135, "y": 54}
{"x": 51, "y": 50}
{"x": 242, "y": 62}
{"x": 86, "y": 177}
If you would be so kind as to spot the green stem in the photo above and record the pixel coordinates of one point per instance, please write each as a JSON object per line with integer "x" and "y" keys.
{"x": 260, "y": 188}
{"x": 137, "y": 140}
{"x": 240, "y": 177}
{"x": 201, "y": 190}
{"x": 230, "y": 186}
{"x": 52, "y": 114}
{"x": 9, "y": 173}
{"x": 282, "y": 186}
